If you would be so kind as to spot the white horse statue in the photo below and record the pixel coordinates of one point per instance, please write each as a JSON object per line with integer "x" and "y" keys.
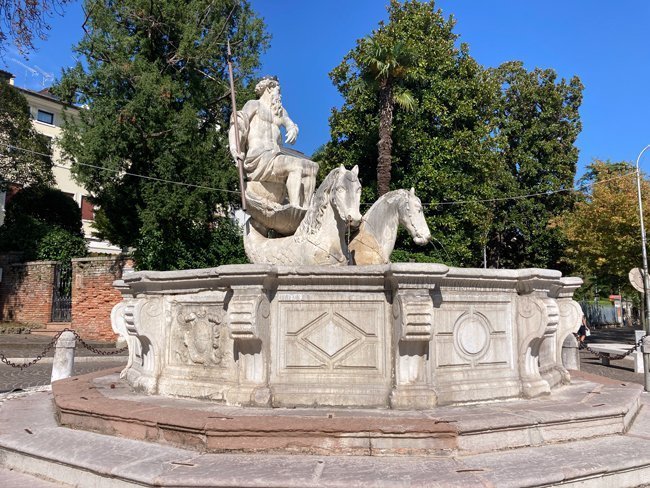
{"x": 321, "y": 236}
{"x": 376, "y": 238}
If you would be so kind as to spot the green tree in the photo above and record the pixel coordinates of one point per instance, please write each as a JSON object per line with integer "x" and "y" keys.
{"x": 441, "y": 147}
{"x": 383, "y": 63}
{"x": 24, "y": 154}
{"x": 603, "y": 230}
{"x": 474, "y": 138}
{"x": 536, "y": 127}
{"x": 43, "y": 223}
{"x": 155, "y": 86}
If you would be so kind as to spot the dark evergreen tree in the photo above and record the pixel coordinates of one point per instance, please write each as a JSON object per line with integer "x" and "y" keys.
{"x": 536, "y": 128}
{"x": 24, "y": 154}
{"x": 155, "y": 86}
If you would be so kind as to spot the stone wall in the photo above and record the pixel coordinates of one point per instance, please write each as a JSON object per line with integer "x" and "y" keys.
{"x": 93, "y": 295}
{"x": 403, "y": 336}
{"x": 26, "y": 290}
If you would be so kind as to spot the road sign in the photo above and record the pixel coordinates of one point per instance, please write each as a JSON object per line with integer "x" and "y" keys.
{"x": 636, "y": 278}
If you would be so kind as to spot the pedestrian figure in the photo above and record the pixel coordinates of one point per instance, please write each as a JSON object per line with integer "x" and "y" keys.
{"x": 583, "y": 332}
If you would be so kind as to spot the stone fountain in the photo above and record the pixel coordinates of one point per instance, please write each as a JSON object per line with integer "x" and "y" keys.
{"x": 316, "y": 321}
{"x": 307, "y": 366}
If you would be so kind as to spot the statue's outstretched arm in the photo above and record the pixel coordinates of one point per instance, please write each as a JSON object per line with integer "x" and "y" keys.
{"x": 292, "y": 128}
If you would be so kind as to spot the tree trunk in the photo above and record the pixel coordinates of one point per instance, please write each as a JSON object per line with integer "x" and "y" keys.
{"x": 385, "y": 144}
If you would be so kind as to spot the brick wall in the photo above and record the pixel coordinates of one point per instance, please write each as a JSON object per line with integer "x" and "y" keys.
{"x": 93, "y": 295}
{"x": 26, "y": 290}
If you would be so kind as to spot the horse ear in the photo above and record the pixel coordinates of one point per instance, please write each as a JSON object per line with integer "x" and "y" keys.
{"x": 413, "y": 191}
{"x": 355, "y": 170}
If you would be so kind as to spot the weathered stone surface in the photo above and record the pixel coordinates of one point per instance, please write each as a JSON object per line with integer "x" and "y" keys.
{"x": 107, "y": 406}
{"x": 102, "y": 403}
{"x": 320, "y": 237}
{"x": 32, "y": 442}
{"x": 375, "y": 240}
{"x": 406, "y": 336}
{"x": 276, "y": 173}
{"x": 63, "y": 362}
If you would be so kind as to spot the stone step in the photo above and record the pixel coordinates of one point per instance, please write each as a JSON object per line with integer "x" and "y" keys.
{"x": 16, "y": 479}
{"x": 104, "y": 403}
{"x": 52, "y": 328}
{"x": 32, "y": 442}
{"x": 89, "y": 402}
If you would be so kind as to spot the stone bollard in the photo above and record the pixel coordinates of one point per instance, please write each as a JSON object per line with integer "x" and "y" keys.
{"x": 63, "y": 356}
{"x": 645, "y": 349}
{"x": 570, "y": 353}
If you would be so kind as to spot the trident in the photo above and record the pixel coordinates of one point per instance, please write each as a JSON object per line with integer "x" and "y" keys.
{"x": 240, "y": 167}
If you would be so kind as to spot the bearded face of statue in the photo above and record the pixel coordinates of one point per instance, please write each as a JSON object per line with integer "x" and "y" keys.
{"x": 276, "y": 100}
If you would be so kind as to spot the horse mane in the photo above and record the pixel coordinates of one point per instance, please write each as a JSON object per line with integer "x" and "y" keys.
{"x": 313, "y": 219}
{"x": 387, "y": 199}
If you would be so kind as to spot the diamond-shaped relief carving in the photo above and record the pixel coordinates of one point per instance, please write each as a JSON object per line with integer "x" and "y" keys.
{"x": 331, "y": 338}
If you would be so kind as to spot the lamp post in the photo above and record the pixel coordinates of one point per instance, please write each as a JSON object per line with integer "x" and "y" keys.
{"x": 646, "y": 284}
{"x": 646, "y": 287}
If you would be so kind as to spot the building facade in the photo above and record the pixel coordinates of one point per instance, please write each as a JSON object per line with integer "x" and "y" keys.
{"x": 47, "y": 118}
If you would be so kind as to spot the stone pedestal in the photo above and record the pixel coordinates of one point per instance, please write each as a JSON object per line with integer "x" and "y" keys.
{"x": 403, "y": 336}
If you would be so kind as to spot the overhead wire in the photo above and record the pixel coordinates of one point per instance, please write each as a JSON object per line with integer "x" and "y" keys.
{"x": 429, "y": 204}
{"x": 120, "y": 172}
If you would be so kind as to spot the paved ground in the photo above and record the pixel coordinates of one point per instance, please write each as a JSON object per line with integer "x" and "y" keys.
{"x": 19, "y": 348}
{"x": 14, "y": 479}
{"x": 621, "y": 370}
{"x": 31, "y": 441}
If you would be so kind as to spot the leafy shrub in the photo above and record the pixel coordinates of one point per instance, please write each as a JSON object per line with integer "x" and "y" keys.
{"x": 44, "y": 224}
{"x": 162, "y": 248}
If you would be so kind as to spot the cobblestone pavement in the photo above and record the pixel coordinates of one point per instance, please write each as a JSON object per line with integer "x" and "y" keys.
{"x": 31, "y": 345}
{"x": 17, "y": 346}
{"x": 39, "y": 374}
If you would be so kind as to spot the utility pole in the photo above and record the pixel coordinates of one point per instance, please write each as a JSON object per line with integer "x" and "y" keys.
{"x": 646, "y": 286}
{"x": 646, "y": 283}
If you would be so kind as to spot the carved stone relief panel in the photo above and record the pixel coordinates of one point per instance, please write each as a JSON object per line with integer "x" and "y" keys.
{"x": 330, "y": 338}
{"x": 473, "y": 336}
{"x": 199, "y": 335}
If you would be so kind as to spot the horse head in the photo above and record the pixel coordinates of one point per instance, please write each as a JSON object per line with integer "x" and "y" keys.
{"x": 411, "y": 216}
{"x": 345, "y": 196}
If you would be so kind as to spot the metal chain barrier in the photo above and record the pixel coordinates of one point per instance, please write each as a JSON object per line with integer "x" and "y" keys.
{"x": 52, "y": 343}
{"x": 94, "y": 349}
{"x": 22, "y": 366}
{"x": 615, "y": 357}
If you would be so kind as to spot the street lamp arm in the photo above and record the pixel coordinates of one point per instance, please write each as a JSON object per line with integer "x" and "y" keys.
{"x": 646, "y": 283}
{"x": 639, "y": 156}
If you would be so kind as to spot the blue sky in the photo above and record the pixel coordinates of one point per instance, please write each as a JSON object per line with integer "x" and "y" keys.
{"x": 605, "y": 43}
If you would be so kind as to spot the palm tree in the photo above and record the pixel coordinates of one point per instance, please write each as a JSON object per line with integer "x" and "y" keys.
{"x": 383, "y": 63}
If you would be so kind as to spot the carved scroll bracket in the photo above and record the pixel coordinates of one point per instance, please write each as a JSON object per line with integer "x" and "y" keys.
{"x": 413, "y": 312}
{"x": 248, "y": 314}
{"x": 537, "y": 322}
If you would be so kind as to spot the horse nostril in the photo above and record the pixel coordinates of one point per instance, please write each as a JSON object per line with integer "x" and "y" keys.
{"x": 354, "y": 220}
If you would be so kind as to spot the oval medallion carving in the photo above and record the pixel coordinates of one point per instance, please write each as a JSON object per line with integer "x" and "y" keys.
{"x": 472, "y": 335}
